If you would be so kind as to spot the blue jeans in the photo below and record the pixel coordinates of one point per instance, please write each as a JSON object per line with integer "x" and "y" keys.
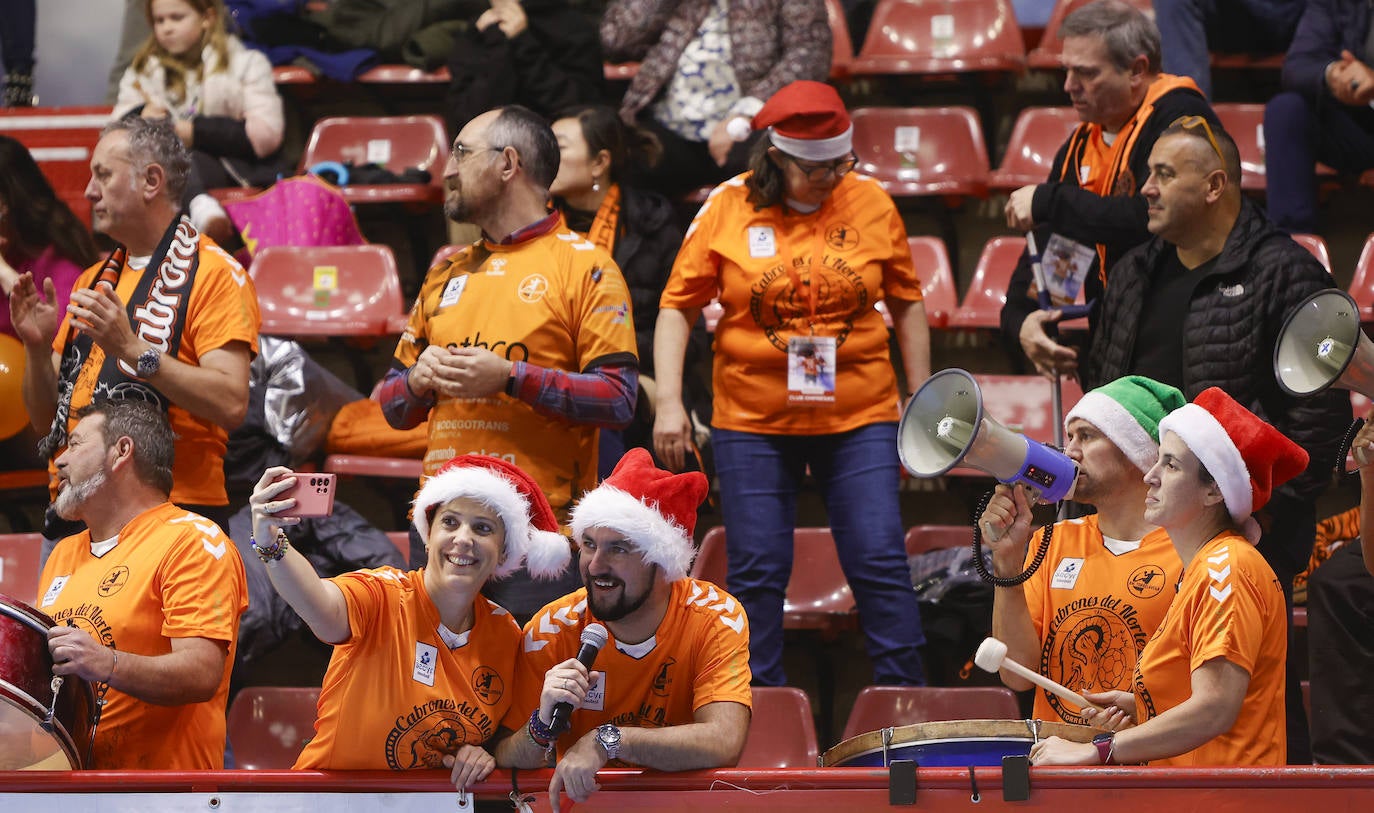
{"x": 857, "y": 473}
{"x": 1189, "y": 30}
{"x": 1298, "y": 134}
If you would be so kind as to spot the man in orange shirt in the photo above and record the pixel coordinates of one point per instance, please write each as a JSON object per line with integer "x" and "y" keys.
{"x": 670, "y": 690}
{"x": 147, "y": 600}
{"x": 523, "y": 343}
{"x": 1106, "y": 579}
{"x": 169, "y": 317}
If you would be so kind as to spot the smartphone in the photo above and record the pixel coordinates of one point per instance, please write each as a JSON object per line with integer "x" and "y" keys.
{"x": 314, "y": 494}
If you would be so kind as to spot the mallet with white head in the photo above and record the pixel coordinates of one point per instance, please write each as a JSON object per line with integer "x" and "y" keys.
{"x": 992, "y": 655}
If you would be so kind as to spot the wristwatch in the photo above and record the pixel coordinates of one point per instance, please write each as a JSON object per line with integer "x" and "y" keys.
{"x": 1104, "y": 748}
{"x": 609, "y": 737}
{"x": 149, "y": 362}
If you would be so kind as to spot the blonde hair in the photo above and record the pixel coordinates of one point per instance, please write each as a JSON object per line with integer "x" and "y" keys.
{"x": 178, "y": 68}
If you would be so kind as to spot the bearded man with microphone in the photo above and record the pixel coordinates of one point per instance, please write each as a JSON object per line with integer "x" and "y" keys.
{"x": 668, "y": 689}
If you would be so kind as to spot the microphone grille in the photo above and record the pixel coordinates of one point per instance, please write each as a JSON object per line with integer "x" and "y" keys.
{"x": 595, "y": 635}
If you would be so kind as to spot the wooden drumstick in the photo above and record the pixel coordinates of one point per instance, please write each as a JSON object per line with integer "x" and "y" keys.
{"x": 992, "y": 655}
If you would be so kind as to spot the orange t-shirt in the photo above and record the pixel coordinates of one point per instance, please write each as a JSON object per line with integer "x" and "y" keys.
{"x": 396, "y": 696}
{"x": 759, "y": 263}
{"x": 223, "y": 309}
{"x": 700, "y": 655}
{"x": 173, "y": 574}
{"x": 556, "y": 301}
{"x": 1094, "y": 610}
{"x": 1230, "y": 606}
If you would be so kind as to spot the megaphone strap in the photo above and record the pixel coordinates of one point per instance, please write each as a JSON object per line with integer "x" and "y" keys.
{"x": 1001, "y": 581}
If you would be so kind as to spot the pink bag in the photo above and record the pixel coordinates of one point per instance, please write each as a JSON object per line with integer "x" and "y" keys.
{"x": 298, "y": 211}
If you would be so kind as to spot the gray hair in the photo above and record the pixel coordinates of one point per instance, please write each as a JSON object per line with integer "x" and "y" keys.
{"x": 533, "y": 140}
{"x": 155, "y": 141}
{"x": 1124, "y": 29}
{"x": 146, "y": 425}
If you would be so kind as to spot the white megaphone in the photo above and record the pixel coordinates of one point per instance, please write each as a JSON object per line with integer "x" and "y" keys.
{"x": 1321, "y": 346}
{"x": 944, "y": 425}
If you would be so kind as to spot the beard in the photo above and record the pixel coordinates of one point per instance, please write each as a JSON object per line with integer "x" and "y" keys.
{"x": 618, "y": 609}
{"x": 70, "y": 501}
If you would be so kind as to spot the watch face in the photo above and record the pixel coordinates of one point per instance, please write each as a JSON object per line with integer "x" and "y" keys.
{"x": 608, "y": 734}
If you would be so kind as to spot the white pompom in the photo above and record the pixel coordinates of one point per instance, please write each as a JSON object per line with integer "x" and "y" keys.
{"x": 738, "y": 128}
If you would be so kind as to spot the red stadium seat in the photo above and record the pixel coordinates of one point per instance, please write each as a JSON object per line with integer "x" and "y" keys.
{"x": 269, "y": 726}
{"x": 1245, "y": 124}
{"x": 19, "y": 568}
{"x": 61, "y": 141}
{"x": 879, "y": 707}
{"x": 444, "y": 252}
{"x": 394, "y": 142}
{"x": 925, "y": 538}
{"x": 1035, "y": 139}
{"x": 1315, "y": 244}
{"x": 1046, "y": 54}
{"x": 709, "y": 564}
{"x": 1025, "y": 403}
{"x": 401, "y": 539}
{"x": 818, "y": 597}
{"x": 982, "y": 306}
{"x": 1362, "y": 286}
{"x": 931, "y": 259}
{"x": 782, "y": 733}
{"x": 917, "y": 151}
{"x": 842, "y": 46}
{"x": 328, "y": 291}
{"x": 955, "y": 36}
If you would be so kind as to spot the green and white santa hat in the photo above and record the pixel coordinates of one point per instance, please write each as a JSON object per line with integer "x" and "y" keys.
{"x": 1128, "y": 411}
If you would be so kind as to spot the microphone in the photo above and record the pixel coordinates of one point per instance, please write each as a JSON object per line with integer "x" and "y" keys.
{"x": 593, "y": 638}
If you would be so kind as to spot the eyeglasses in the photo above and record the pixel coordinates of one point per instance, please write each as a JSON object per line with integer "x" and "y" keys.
{"x": 818, "y": 172}
{"x": 461, "y": 150}
{"x": 1190, "y": 122}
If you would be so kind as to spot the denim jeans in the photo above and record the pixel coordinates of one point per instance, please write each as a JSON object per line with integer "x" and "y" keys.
{"x": 1299, "y": 133}
{"x": 1189, "y": 30}
{"x": 858, "y": 475}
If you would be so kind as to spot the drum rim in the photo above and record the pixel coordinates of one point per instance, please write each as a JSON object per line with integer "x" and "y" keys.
{"x": 859, "y": 745}
{"x": 11, "y": 693}
{"x": 26, "y": 613}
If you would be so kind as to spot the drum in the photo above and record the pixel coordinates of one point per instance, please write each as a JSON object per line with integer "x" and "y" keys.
{"x": 37, "y": 733}
{"x": 950, "y": 743}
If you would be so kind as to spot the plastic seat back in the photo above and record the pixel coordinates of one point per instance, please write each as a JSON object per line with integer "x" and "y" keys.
{"x": 918, "y": 151}
{"x": 925, "y": 538}
{"x": 397, "y": 143}
{"x": 879, "y": 707}
{"x": 328, "y": 290}
{"x": 987, "y": 293}
{"x": 269, "y": 726}
{"x": 19, "y": 567}
{"x": 782, "y": 733}
{"x": 1035, "y": 139}
{"x": 931, "y": 259}
{"x": 1025, "y": 403}
{"x": 842, "y": 45}
{"x": 1046, "y": 54}
{"x": 1317, "y": 246}
{"x": 816, "y": 591}
{"x": 1362, "y": 285}
{"x": 1245, "y": 124}
{"x": 955, "y": 36}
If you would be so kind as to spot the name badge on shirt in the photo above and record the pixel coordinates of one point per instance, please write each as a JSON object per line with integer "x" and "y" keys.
{"x": 54, "y": 590}
{"x": 453, "y": 290}
{"x": 425, "y": 658}
{"x": 1066, "y": 575}
{"x": 596, "y": 694}
{"x": 762, "y": 242}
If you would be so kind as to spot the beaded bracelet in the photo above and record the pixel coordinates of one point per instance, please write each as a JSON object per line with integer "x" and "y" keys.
{"x": 540, "y": 733}
{"x": 272, "y": 552}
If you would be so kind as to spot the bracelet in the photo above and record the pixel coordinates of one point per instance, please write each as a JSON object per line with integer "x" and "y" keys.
{"x": 271, "y": 552}
{"x": 114, "y": 663}
{"x": 540, "y": 733}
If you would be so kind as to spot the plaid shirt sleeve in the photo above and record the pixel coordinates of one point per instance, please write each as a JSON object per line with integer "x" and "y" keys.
{"x": 402, "y": 408}
{"x": 603, "y": 396}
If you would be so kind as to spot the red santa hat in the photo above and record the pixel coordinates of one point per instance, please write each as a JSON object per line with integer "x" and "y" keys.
{"x": 653, "y": 508}
{"x": 807, "y": 120}
{"x": 532, "y": 535}
{"x": 1246, "y": 457}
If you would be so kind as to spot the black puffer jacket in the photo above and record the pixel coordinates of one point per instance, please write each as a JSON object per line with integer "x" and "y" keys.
{"x": 1232, "y": 323}
{"x": 645, "y": 246}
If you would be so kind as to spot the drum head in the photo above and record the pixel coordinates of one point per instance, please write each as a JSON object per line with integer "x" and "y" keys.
{"x": 946, "y": 743}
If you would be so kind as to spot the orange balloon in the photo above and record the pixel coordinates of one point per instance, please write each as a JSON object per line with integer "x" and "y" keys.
{"x": 13, "y": 416}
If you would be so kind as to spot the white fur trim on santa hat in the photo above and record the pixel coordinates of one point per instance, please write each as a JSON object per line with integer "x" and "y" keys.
{"x": 660, "y": 541}
{"x": 817, "y": 149}
{"x": 546, "y": 553}
{"x": 1119, "y": 425}
{"x": 1209, "y": 441}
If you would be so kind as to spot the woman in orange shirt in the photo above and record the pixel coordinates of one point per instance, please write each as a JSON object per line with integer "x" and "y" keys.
{"x": 798, "y": 251}
{"x": 1209, "y": 686}
{"x": 423, "y": 669}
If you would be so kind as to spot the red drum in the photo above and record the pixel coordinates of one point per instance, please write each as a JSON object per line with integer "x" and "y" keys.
{"x": 35, "y": 732}
{"x": 950, "y": 743}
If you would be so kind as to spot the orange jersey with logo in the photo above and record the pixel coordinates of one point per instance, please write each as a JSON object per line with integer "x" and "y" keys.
{"x": 1094, "y": 610}
{"x": 395, "y": 695}
{"x": 1229, "y": 606}
{"x": 556, "y": 301}
{"x": 700, "y": 655}
{"x": 173, "y": 574}
{"x": 759, "y": 264}
{"x": 223, "y": 309}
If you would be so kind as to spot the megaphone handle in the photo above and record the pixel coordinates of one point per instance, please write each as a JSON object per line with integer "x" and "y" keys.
{"x": 982, "y": 569}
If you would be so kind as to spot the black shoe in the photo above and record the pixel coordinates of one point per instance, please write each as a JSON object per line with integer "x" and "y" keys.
{"x": 19, "y": 90}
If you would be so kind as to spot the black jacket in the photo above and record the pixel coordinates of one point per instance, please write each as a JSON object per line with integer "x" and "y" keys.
{"x": 646, "y": 244}
{"x": 1117, "y": 221}
{"x": 1325, "y": 29}
{"x": 1233, "y": 320}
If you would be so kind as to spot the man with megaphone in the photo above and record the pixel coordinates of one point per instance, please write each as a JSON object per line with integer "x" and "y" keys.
{"x": 1202, "y": 304}
{"x": 1106, "y": 581}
